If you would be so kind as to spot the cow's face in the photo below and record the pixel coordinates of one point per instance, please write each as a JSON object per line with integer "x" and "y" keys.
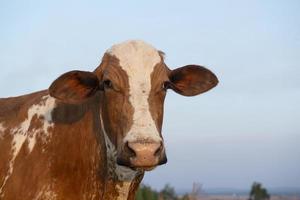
{"x": 133, "y": 80}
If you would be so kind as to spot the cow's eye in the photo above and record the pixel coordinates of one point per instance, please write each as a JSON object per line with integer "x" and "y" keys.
{"x": 166, "y": 85}
{"x": 107, "y": 84}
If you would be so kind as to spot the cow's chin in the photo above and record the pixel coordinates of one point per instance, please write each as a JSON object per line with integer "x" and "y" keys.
{"x": 147, "y": 168}
{"x": 139, "y": 168}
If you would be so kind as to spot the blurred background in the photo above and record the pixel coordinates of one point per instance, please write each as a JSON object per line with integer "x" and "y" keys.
{"x": 246, "y": 129}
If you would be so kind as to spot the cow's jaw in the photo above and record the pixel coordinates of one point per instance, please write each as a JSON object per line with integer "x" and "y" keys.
{"x": 116, "y": 171}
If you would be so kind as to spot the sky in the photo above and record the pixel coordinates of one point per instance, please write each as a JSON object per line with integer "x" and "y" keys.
{"x": 246, "y": 129}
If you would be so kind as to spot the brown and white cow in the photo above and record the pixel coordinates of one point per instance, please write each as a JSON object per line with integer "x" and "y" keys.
{"x": 92, "y": 135}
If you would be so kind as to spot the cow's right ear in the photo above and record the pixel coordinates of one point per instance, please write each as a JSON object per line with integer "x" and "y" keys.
{"x": 74, "y": 86}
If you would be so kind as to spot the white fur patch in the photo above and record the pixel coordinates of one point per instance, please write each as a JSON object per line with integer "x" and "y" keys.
{"x": 21, "y": 133}
{"x": 123, "y": 190}
{"x": 2, "y": 129}
{"x": 46, "y": 193}
{"x": 138, "y": 59}
{"x": 44, "y": 110}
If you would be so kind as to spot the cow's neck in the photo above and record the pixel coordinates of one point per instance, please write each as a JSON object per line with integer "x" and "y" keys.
{"x": 122, "y": 182}
{"x": 78, "y": 139}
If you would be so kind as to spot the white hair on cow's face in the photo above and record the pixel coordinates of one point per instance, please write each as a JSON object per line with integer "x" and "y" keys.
{"x": 138, "y": 60}
{"x": 21, "y": 133}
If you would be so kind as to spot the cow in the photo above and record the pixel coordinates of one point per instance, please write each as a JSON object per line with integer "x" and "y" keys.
{"x": 92, "y": 135}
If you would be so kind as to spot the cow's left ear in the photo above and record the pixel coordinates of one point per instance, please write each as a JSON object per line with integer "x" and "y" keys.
{"x": 192, "y": 80}
{"x": 74, "y": 86}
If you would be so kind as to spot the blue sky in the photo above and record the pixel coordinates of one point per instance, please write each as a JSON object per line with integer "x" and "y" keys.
{"x": 247, "y": 129}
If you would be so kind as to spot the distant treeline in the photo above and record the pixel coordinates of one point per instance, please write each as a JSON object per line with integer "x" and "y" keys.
{"x": 257, "y": 192}
{"x": 167, "y": 193}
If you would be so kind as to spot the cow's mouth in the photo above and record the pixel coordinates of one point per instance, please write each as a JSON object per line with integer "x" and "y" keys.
{"x": 127, "y": 163}
{"x": 143, "y": 165}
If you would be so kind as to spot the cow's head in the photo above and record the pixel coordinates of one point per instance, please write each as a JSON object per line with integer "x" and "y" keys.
{"x": 133, "y": 80}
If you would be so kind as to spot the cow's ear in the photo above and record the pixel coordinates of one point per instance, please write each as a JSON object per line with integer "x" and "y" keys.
{"x": 192, "y": 80}
{"x": 74, "y": 86}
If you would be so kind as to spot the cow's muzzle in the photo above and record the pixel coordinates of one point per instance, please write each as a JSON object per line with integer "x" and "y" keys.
{"x": 144, "y": 155}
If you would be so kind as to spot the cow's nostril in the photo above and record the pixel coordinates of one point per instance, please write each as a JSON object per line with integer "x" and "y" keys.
{"x": 158, "y": 150}
{"x": 130, "y": 150}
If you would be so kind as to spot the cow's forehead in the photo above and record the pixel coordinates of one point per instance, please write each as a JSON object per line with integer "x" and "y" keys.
{"x": 136, "y": 57}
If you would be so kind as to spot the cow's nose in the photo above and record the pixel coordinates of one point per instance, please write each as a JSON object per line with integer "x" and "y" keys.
{"x": 145, "y": 154}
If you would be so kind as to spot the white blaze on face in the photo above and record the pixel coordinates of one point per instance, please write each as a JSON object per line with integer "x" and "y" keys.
{"x": 138, "y": 60}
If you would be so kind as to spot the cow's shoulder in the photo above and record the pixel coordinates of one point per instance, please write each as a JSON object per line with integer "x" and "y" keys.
{"x": 12, "y": 108}
{"x": 25, "y": 117}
